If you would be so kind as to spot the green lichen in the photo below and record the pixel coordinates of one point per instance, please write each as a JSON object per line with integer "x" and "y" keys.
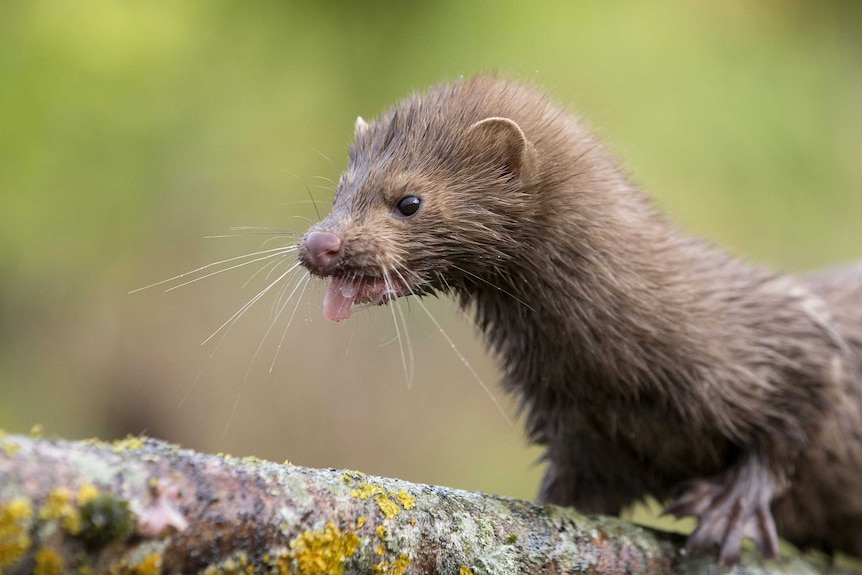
{"x": 323, "y": 552}
{"x": 105, "y": 519}
{"x": 349, "y": 477}
{"x": 15, "y": 517}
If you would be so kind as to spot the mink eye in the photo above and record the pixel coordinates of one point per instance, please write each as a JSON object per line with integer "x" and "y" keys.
{"x": 408, "y": 205}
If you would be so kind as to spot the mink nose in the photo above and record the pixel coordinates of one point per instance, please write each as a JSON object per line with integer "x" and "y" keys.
{"x": 323, "y": 249}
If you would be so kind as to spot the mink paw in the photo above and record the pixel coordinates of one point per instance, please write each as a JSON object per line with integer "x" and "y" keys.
{"x": 729, "y": 508}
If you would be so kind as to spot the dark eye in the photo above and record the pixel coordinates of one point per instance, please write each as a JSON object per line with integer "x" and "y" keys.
{"x": 408, "y": 205}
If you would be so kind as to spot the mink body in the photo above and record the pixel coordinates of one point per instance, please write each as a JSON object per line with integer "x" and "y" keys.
{"x": 647, "y": 362}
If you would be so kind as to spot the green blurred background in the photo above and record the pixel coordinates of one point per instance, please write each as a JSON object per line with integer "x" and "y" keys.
{"x": 130, "y": 131}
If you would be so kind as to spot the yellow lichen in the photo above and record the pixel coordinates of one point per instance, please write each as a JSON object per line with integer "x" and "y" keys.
{"x": 379, "y": 550}
{"x": 36, "y": 431}
{"x": 360, "y": 522}
{"x": 381, "y": 532}
{"x": 10, "y": 448}
{"x": 383, "y": 497}
{"x": 237, "y": 564}
{"x": 323, "y": 552}
{"x": 48, "y": 562}
{"x": 400, "y": 565}
{"x": 388, "y": 507}
{"x": 14, "y": 536}
{"x": 397, "y": 567}
{"x": 95, "y": 442}
{"x": 149, "y": 565}
{"x": 59, "y": 506}
{"x": 406, "y": 500}
{"x": 464, "y": 570}
{"x": 56, "y": 505}
{"x": 87, "y": 492}
{"x": 365, "y": 490}
{"x": 128, "y": 443}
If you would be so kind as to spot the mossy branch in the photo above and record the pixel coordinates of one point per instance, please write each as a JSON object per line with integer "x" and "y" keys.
{"x": 143, "y": 506}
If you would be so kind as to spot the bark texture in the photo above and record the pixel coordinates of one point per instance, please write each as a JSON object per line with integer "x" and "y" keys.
{"x": 142, "y": 506}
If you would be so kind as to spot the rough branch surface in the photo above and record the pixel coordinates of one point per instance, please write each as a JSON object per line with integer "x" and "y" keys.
{"x": 147, "y": 507}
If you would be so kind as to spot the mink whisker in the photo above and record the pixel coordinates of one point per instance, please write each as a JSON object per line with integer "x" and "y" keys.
{"x": 304, "y": 283}
{"x": 274, "y": 320}
{"x": 296, "y": 270}
{"x": 458, "y": 353}
{"x": 408, "y": 371}
{"x": 496, "y": 287}
{"x": 325, "y": 179}
{"x": 322, "y": 155}
{"x": 270, "y": 253}
{"x": 271, "y": 264}
{"x": 264, "y": 230}
{"x": 241, "y": 311}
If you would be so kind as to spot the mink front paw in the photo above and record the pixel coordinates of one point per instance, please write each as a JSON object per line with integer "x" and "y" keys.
{"x": 729, "y": 508}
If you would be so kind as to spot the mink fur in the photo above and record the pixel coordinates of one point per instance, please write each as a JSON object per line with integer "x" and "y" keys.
{"x": 646, "y": 362}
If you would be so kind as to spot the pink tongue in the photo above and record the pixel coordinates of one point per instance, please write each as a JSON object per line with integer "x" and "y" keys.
{"x": 338, "y": 300}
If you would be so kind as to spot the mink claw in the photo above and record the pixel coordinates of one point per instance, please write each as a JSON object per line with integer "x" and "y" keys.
{"x": 729, "y": 509}
{"x": 694, "y": 498}
{"x": 766, "y": 535}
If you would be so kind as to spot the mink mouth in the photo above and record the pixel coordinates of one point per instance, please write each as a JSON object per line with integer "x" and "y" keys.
{"x": 345, "y": 291}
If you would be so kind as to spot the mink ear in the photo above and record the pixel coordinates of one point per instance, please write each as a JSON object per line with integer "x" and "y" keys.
{"x": 360, "y": 127}
{"x": 504, "y": 140}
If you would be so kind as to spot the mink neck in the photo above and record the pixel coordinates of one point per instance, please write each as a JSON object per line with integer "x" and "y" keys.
{"x": 596, "y": 295}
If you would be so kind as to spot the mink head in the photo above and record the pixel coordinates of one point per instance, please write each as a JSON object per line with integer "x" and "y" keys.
{"x": 435, "y": 199}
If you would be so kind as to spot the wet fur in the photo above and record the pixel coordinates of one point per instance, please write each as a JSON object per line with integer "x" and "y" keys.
{"x": 645, "y": 361}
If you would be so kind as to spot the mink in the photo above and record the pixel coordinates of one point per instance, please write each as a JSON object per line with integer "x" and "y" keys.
{"x": 646, "y": 361}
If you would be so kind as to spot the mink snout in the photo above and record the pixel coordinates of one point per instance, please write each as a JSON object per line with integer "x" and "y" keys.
{"x": 320, "y": 252}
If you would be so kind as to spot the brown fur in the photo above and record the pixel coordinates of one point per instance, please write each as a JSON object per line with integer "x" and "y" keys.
{"x": 646, "y": 362}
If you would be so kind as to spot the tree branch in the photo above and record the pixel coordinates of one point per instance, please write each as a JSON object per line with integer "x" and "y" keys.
{"x": 146, "y": 507}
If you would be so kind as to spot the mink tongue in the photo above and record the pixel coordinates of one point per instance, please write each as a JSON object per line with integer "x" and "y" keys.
{"x": 338, "y": 300}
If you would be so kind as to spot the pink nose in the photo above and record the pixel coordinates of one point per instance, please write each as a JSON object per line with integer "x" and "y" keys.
{"x": 323, "y": 249}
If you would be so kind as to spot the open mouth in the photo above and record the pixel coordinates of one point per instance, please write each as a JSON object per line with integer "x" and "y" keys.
{"x": 343, "y": 292}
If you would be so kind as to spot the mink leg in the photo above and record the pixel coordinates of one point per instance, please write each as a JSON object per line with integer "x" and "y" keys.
{"x": 729, "y": 507}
